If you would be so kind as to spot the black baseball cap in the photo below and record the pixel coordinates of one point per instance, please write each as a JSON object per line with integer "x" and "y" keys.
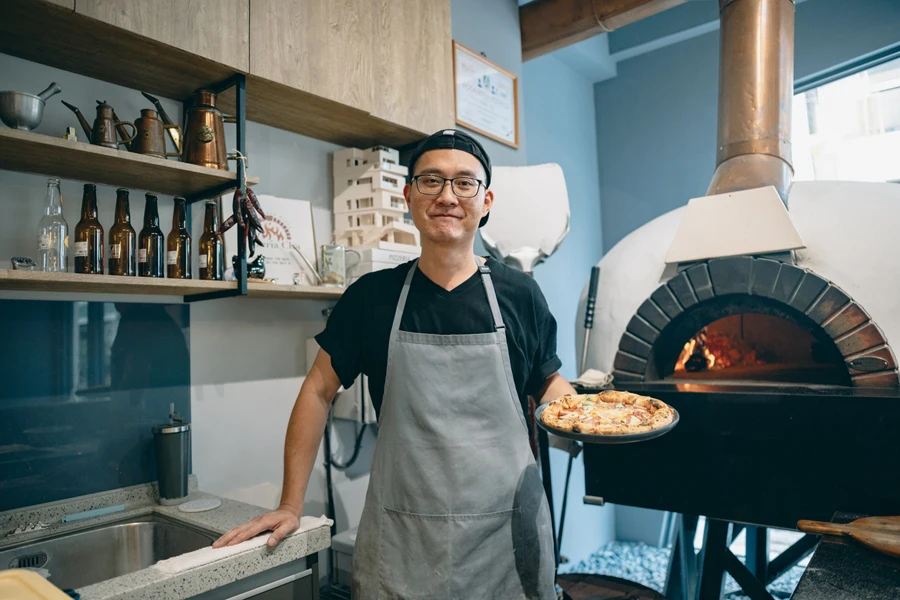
{"x": 453, "y": 139}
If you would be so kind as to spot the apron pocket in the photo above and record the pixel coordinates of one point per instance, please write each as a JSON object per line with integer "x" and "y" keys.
{"x": 415, "y": 556}
{"x": 486, "y": 554}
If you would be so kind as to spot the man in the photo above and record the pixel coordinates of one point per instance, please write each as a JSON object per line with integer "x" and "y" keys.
{"x": 453, "y": 346}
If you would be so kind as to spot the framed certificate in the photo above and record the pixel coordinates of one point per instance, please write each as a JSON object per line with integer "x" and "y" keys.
{"x": 486, "y": 96}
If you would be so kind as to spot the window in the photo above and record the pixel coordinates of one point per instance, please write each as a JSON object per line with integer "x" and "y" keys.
{"x": 849, "y": 129}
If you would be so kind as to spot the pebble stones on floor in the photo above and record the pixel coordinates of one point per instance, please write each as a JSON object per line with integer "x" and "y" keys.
{"x": 638, "y": 562}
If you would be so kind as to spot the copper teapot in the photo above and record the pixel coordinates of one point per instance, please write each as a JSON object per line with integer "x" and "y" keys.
{"x": 103, "y": 132}
{"x": 151, "y": 137}
{"x": 204, "y": 133}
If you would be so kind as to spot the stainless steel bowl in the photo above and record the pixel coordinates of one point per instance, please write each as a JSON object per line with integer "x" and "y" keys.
{"x": 21, "y": 110}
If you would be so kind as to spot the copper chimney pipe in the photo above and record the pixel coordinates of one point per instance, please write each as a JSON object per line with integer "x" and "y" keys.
{"x": 756, "y": 86}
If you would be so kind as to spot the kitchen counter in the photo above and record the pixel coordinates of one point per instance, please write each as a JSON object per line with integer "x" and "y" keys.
{"x": 842, "y": 569}
{"x": 151, "y": 583}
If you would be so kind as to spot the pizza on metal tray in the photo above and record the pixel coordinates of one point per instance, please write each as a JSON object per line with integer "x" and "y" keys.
{"x": 607, "y": 413}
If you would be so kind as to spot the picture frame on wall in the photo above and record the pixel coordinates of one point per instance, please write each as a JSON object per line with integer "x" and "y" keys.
{"x": 486, "y": 96}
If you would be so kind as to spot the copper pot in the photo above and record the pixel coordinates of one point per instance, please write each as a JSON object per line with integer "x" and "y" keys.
{"x": 104, "y": 131}
{"x": 204, "y": 133}
{"x": 151, "y": 135}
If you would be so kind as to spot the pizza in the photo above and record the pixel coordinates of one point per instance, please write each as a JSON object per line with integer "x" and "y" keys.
{"x": 607, "y": 413}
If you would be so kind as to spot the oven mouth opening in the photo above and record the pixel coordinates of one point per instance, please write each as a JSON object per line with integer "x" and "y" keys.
{"x": 742, "y": 338}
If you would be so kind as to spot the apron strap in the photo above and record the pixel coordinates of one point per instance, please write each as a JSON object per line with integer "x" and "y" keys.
{"x": 491, "y": 295}
{"x": 398, "y": 313}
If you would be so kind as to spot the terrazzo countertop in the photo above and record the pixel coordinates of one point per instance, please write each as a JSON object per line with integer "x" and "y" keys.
{"x": 151, "y": 583}
{"x": 842, "y": 569}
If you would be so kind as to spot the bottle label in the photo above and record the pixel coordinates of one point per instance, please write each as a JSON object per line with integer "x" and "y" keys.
{"x": 44, "y": 241}
{"x": 115, "y": 250}
{"x": 142, "y": 255}
{"x": 172, "y": 257}
{"x": 81, "y": 248}
{"x": 204, "y": 261}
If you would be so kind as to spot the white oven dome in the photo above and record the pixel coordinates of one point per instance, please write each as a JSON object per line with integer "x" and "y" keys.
{"x": 852, "y": 236}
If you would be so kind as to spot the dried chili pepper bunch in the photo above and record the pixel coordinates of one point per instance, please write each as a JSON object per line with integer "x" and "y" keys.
{"x": 249, "y": 215}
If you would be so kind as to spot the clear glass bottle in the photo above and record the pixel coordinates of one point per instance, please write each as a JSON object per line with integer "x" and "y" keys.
{"x": 53, "y": 233}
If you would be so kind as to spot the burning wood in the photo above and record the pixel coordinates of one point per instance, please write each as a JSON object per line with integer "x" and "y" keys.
{"x": 713, "y": 351}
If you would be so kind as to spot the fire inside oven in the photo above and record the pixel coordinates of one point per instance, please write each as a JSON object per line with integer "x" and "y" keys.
{"x": 758, "y": 347}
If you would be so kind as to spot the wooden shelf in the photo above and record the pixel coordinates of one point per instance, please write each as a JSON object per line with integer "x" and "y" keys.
{"x": 284, "y": 292}
{"x": 37, "y": 281}
{"x": 53, "y": 35}
{"x": 46, "y": 155}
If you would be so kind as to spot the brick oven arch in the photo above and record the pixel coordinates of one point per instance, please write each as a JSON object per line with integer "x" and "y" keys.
{"x": 820, "y": 304}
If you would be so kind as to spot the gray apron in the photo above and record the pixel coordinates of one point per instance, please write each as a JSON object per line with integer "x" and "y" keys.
{"x": 455, "y": 506}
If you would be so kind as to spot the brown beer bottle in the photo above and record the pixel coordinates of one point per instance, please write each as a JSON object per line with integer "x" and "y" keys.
{"x": 178, "y": 244}
{"x": 122, "y": 239}
{"x": 212, "y": 251}
{"x": 151, "y": 241}
{"x": 89, "y": 235}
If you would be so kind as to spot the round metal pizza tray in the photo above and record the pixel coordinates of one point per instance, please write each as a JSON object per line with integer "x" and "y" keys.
{"x": 593, "y": 438}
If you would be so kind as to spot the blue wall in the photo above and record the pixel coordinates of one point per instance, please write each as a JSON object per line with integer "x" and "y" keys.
{"x": 559, "y": 116}
{"x": 492, "y": 27}
{"x": 656, "y": 121}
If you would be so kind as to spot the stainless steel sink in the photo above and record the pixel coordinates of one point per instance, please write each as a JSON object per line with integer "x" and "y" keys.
{"x": 88, "y": 556}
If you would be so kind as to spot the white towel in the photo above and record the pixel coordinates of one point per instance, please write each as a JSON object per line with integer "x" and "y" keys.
{"x": 204, "y": 556}
{"x": 592, "y": 378}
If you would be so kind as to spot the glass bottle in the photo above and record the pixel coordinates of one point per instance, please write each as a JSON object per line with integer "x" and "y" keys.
{"x": 122, "y": 239}
{"x": 89, "y": 235}
{"x": 212, "y": 249}
{"x": 178, "y": 244}
{"x": 151, "y": 241}
{"x": 53, "y": 233}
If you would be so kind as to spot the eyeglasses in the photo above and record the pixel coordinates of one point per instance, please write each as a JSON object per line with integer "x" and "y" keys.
{"x": 432, "y": 185}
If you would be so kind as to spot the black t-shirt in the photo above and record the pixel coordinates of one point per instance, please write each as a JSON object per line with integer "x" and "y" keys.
{"x": 356, "y": 334}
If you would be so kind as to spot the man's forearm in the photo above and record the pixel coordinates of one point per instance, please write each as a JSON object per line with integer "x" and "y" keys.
{"x": 555, "y": 387}
{"x": 304, "y": 434}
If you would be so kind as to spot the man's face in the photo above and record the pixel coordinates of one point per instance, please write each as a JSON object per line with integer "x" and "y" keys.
{"x": 445, "y": 218}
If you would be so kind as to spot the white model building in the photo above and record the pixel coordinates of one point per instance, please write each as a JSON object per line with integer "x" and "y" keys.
{"x": 369, "y": 208}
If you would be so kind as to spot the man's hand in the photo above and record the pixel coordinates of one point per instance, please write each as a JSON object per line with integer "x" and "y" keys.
{"x": 281, "y": 522}
{"x": 555, "y": 387}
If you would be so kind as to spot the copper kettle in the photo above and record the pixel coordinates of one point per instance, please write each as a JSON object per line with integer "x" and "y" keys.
{"x": 204, "y": 133}
{"x": 151, "y": 138}
{"x": 103, "y": 132}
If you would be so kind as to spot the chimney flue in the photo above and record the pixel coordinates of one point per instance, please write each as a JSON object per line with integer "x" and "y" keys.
{"x": 756, "y": 85}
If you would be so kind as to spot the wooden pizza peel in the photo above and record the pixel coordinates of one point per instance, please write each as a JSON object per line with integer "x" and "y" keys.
{"x": 881, "y": 534}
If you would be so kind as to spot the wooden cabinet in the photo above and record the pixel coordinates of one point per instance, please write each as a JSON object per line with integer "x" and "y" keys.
{"x": 390, "y": 58}
{"x": 319, "y": 46}
{"x": 412, "y": 48}
{"x": 218, "y": 30}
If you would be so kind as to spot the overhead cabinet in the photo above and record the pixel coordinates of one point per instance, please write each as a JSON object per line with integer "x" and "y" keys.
{"x": 412, "y": 46}
{"x": 390, "y": 58}
{"x": 351, "y": 72}
{"x": 318, "y": 46}
{"x": 217, "y": 29}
